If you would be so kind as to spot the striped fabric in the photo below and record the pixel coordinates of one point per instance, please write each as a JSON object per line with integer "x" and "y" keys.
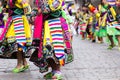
{"x": 83, "y": 27}
{"x": 111, "y": 2}
{"x": 19, "y": 30}
{"x": 57, "y": 37}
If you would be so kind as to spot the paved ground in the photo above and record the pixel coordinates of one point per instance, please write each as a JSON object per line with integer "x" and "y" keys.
{"x": 92, "y": 62}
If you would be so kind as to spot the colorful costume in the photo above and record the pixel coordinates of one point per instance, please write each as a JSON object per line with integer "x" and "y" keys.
{"x": 112, "y": 24}
{"x": 108, "y": 18}
{"x": 84, "y": 23}
{"x": 101, "y": 22}
{"x": 111, "y": 20}
{"x": 18, "y": 35}
{"x": 51, "y": 36}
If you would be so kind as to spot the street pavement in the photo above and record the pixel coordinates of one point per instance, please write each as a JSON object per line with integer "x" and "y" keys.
{"x": 92, "y": 61}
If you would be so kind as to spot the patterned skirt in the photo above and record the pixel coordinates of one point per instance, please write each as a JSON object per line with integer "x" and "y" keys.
{"x": 58, "y": 36}
{"x": 101, "y": 32}
{"x": 17, "y": 36}
{"x": 83, "y": 27}
{"x": 57, "y": 44}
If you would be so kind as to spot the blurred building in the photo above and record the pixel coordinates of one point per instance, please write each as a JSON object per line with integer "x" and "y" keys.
{"x": 31, "y": 2}
{"x": 81, "y": 2}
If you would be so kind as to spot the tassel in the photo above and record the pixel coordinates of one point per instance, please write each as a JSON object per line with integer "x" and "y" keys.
{"x": 62, "y": 62}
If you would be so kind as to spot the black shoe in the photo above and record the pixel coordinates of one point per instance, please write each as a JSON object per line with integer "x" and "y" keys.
{"x": 93, "y": 41}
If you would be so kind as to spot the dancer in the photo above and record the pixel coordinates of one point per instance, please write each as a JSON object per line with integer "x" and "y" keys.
{"x": 84, "y": 22}
{"x": 51, "y": 39}
{"x": 112, "y": 31}
{"x": 18, "y": 33}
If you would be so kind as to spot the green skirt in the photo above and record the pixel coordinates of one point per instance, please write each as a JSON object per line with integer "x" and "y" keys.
{"x": 112, "y": 31}
{"x": 101, "y": 32}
